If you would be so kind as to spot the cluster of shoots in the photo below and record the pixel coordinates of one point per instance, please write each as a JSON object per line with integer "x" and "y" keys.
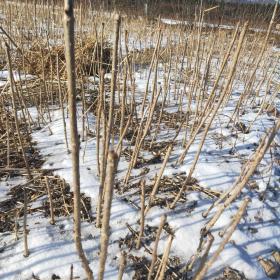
{"x": 193, "y": 68}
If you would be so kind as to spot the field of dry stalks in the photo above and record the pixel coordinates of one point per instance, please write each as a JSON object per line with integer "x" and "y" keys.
{"x": 137, "y": 148}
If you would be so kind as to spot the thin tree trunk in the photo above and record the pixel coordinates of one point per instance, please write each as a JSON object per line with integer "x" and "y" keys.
{"x": 142, "y": 219}
{"x": 101, "y": 167}
{"x": 70, "y": 66}
{"x": 52, "y": 222}
{"x": 113, "y": 88}
{"x": 25, "y": 232}
{"x": 164, "y": 260}
{"x": 154, "y": 254}
{"x": 122, "y": 265}
{"x": 107, "y": 135}
{"x": 105, "y": 231}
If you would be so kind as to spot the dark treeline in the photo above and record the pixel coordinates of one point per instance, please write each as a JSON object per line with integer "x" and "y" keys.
{"x": 257, "y": 14}
{"x": 227, "y": 13}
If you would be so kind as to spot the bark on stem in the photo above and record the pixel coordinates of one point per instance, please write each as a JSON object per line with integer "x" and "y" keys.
{"x": 142, "y": 220}
{"x": 122, "y": 265}
{"x": 105, "y": 230}
{"x": 154, "y": 254}
{"x": 71, "y": 83}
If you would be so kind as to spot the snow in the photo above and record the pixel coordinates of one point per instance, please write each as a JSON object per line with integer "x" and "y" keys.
{"x": 52, "y": 249}
{"x": 4, "y": 74}
{"x": 174, "y": 22}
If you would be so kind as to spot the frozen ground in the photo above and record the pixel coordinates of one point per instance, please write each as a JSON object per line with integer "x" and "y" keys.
{"x": 52, "y": 249}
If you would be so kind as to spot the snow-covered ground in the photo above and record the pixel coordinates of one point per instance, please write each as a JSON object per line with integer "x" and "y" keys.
{"x": 212, "y": 25}
{"x": 52, "y": 249}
